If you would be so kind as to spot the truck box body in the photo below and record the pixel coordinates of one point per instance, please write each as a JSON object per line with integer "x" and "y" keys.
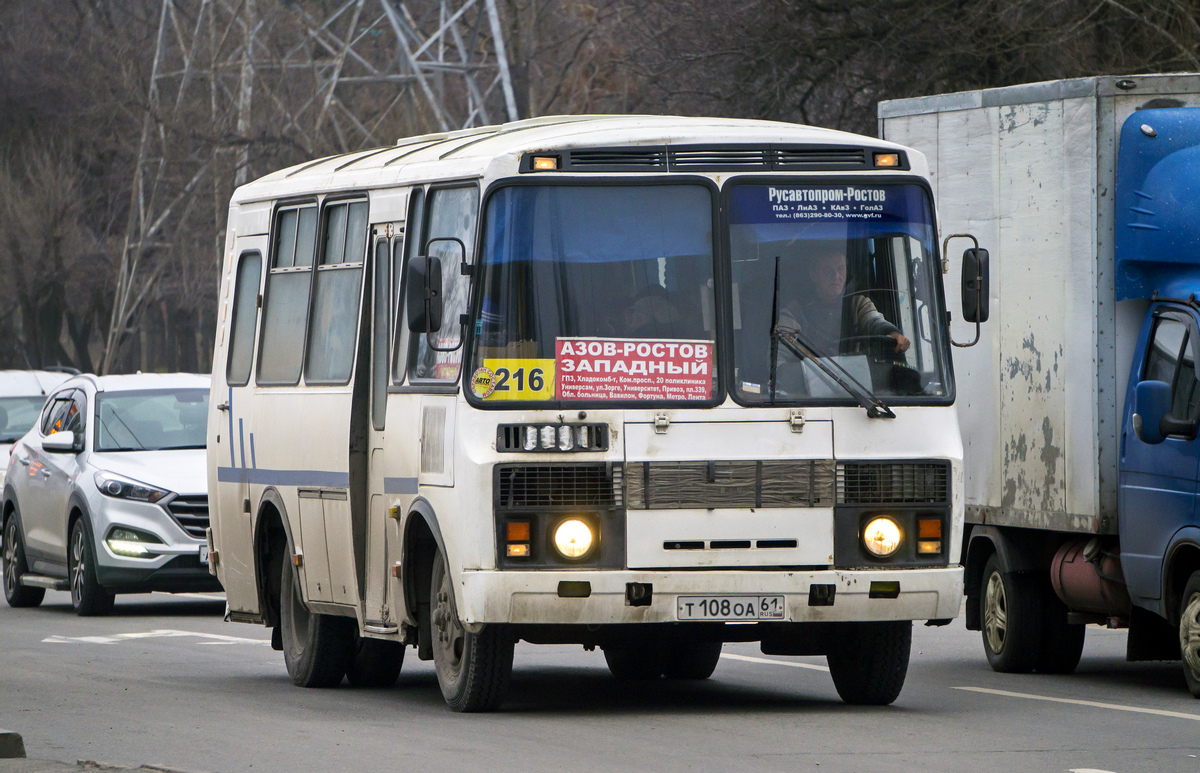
{"x": 1031, "y": 171}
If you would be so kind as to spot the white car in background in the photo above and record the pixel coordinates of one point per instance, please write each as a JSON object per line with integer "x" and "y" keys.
{"x": 107, "y": 492}
{"x": 22, "y": 395}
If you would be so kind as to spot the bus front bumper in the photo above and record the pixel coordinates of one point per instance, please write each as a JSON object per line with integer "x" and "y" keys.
{"x": 488, "y": 596}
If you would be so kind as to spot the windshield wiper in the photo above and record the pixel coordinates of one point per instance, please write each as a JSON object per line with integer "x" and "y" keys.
{"x": 793, "y": 340}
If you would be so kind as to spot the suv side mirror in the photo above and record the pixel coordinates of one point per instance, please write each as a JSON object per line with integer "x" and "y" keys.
{"x": 1151, "y": 402}
{"x": 61, "y": 443}
{"x": 424, "y": 295}
{"x": 975, "y": 296}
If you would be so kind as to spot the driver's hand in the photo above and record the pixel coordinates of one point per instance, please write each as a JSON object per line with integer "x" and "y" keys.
{"x": 902, "y": 343}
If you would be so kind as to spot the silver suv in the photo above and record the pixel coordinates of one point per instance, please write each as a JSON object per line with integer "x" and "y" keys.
{"x": 107, "y": 493}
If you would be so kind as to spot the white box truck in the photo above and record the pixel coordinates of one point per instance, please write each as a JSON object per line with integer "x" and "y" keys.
{"x": 1079, "y": 407}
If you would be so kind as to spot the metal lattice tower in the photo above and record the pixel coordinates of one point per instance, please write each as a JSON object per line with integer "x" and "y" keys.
{"x": 315, "y": 76}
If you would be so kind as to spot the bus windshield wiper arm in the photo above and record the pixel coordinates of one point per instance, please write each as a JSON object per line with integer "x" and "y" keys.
{"x": 793, "y": 340}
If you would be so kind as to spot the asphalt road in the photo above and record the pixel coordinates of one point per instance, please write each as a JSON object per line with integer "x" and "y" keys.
{"x": 164, "y": 681}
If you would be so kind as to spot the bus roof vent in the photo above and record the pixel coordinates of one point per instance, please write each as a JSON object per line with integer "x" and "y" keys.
{"x": 632, "y": 159}
{"x": 719, "y": 158}
{"x": 819, "y": 158}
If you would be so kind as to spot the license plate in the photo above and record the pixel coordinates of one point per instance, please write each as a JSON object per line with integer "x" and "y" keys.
{"x": 204, "y": 554}
{"x": 729, "y": 607}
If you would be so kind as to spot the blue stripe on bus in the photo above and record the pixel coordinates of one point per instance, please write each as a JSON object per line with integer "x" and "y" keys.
{"x": 399, "y": 485}
{"x": 316, "y": 478}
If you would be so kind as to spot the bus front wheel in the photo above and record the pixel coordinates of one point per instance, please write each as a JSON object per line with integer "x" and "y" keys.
{"x": 870, "y": 661}
{"x": 316, "y": 648}
{"x": 472, "y": 668}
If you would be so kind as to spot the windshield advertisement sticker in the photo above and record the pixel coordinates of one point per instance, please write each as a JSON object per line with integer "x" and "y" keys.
{"x": 633, "y": 369}
{"x": 514, "y": 379}
{"x": 780, "y": 204}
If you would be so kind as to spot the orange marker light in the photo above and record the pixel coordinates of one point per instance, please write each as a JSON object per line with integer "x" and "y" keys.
{"x": 516, "y": 531}
{"x": 887, "y": 160}
{"x": 929, "y": 528}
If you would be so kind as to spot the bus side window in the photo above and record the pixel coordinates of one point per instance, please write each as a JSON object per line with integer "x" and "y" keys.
{"x": 336, "y": 298}
{"x": 285, "y": 306}
{"x": 452, "y": 213}
{"x": 245, "y": 309}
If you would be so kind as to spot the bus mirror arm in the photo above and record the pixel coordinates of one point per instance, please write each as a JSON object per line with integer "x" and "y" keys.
{"x": 975, "y": 291}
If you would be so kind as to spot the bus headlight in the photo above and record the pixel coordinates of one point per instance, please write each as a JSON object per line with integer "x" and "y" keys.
{"x": 881, "y": 537}
{"x": 573, "y": 538}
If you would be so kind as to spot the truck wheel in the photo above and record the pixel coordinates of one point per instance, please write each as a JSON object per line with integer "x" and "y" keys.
{"x": 316, "y": 648}
{"x": 692, "y": 660}
{"x": 1010, "y": 613}
{"x": 870, "y": 660}
{"x": 472, "y": 668}
{"x": 639, "y": 662}
{"x": 1189, "y": 633}
{"x": 1062, "y": 642}
{"x": 87, "y": 596}
{"x": 16, "y": 594}
{"x": 376, "y": 663}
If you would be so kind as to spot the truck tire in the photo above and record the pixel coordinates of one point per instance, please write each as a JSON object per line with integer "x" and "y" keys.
{"x": 88, "y": 597}
{"x": 1062, "y": 642}
{"x": 316, "y": 648}
{"x": 16, "y": 594}
{"x": 1189, "y": 633}
{"x": 376, "y": 663}
{"x": 692, "y": 660}
{"x": 1010, "y": 615}
{"x": 473, "y": 669}
{"x": 633, "y": 663}
{"x": 870, "y": 661}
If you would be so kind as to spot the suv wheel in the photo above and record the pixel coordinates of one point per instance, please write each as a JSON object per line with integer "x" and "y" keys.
{"x": 16, "y": 594}
{"x": 87, "y": 595}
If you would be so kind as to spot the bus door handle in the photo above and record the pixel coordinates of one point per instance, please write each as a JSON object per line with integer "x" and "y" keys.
{"x": 223, "y": 407}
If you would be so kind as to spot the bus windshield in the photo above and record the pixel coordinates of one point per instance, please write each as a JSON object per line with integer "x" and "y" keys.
{"x": 597, "y": 293}
{"x": 840, "y": 276}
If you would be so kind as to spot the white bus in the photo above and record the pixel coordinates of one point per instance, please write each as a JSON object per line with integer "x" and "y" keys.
{"x": 648, "y": 384}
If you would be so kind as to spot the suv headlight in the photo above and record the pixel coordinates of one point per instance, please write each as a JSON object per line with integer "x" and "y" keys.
{"x": 120, "y": 487}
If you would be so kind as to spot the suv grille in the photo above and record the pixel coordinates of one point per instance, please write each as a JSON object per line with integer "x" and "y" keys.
{"x": 191, "y": 513}
{"x": 878, "y": 483}
{"x": 520, "y": 486}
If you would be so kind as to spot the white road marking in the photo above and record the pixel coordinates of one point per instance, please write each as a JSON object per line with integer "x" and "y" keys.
{"x": 1093, "y": 704}
{"x": 1088, "y": 770}
{"x": 159, "y": 634}
{"x": 788, "y": 663}
{"x": 205, "y": 596}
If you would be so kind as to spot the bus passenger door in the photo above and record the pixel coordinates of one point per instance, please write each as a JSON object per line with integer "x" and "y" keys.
{"x": 386, "y": 237}
{"x": 231, "y": 405}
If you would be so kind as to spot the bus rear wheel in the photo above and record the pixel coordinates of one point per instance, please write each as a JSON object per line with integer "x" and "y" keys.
{"x": 316, "y": 648}
{"x": 473, "y": 669}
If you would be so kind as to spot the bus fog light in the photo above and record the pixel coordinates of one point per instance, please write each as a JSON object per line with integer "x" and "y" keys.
{"x": 565, "y": 441}
{"x": 547, "y": 437}
{"x": 573, "y": 538}
{"x": 929, "y": 546}
{"x": 881, "y": 537}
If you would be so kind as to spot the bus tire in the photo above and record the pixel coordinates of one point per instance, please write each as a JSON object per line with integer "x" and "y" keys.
{"x": 473, "y": 669}
{"x": 635, "y": 663}
{"x": 1062, "y": 642}
{"x": 870, "y": 661}
{"x": 16, "y": 594}
{"x": 1189, "y": 633}
{"x": 1010, "y": 615}
{"x": 692, "y": 660}
{"x": 376, "y": 663}
{"x": 88, "y": 597}
{"x": 316, "y": 648}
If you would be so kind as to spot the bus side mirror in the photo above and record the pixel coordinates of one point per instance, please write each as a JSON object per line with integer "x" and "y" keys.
{"x": 1151, "y": 401}
{"x": 975, "y": 296}
{"x": 424, "y": 296}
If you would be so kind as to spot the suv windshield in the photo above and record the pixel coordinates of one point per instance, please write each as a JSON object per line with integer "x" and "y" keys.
{"x": 151, "y": 420}
{"x": 847, "y": 270}
{"x": 17, "y": 415}
{"x": 597, "y": 293}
